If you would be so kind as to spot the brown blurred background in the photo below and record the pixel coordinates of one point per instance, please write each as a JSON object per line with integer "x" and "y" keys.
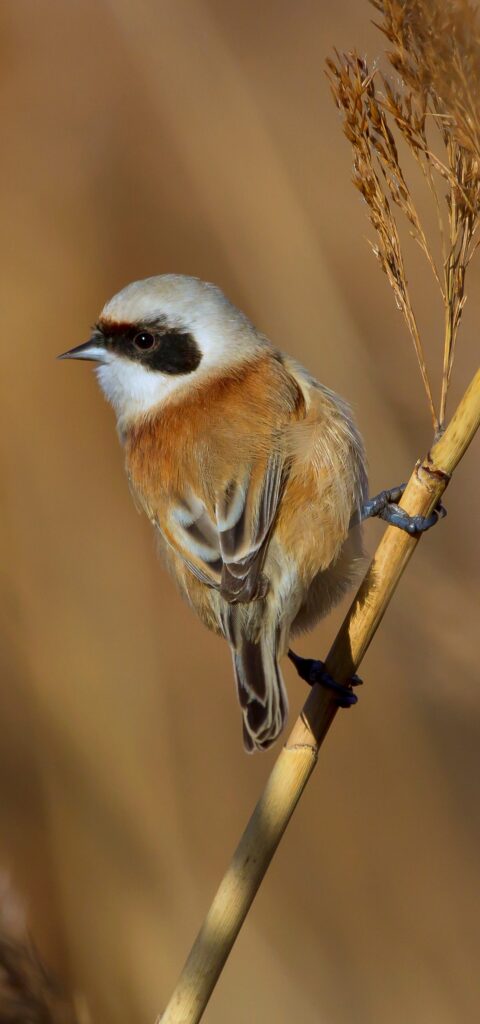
{"x": 198, "y": 136}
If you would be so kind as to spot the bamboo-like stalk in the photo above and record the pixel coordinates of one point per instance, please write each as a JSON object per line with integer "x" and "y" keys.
{"x": 298, "y": 757}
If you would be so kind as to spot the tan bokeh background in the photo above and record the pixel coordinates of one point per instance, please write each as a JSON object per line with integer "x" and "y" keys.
{"x": 198, "y": 136}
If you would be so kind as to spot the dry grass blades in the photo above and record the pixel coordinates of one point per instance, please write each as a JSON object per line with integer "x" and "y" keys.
{"x": 28, "y": 994}
{"x": 431, "y": 100}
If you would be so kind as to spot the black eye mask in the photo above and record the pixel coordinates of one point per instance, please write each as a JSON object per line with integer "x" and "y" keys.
{"x": 154, "y": 345}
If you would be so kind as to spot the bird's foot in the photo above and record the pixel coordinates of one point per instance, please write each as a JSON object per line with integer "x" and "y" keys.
{"x": 314, "y": 672}
{"x": 385, "y": 505}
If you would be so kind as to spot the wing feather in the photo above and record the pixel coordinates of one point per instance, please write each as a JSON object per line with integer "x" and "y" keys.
{"x": 243, "y": 544}
{"x": 226, "y": 551}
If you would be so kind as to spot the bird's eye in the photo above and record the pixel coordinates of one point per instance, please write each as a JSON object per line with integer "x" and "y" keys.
{"x": 144, "y": 340}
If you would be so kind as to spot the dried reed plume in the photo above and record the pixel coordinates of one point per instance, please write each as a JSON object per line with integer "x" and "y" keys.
{"x": 433, "y": 104}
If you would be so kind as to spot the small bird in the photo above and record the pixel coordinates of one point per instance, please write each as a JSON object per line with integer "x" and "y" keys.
{"x": 252, "y": 473}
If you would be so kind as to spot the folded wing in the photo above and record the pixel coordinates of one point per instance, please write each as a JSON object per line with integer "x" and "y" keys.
{"x": 226, "y": 551}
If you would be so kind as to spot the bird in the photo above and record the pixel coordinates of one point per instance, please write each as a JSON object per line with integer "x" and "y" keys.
{"x": 252, "y": 473}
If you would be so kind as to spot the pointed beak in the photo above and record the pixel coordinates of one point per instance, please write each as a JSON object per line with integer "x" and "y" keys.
{"x": 91, "y": 349}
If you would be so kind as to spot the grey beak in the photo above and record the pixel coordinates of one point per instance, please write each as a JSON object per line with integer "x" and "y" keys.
{"x": 91, "y": 349}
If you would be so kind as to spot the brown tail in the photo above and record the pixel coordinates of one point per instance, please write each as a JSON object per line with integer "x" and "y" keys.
{"x": 261, "y": 691}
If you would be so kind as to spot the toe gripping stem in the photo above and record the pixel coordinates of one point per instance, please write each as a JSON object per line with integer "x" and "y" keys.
{"x": 314, "y": 673}
{"x": 385, "y": 506}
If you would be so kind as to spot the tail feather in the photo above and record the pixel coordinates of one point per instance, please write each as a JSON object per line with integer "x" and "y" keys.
{"x": 261, "y": 691}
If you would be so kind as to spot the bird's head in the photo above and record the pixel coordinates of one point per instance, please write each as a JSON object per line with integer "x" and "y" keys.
{"x": 161, "y": 335}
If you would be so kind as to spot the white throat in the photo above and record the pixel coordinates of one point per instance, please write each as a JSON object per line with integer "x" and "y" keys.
{"x": 132, "y": 390}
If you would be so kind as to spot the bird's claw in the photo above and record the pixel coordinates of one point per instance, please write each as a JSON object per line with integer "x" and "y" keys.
{"x": 385, "y": 506}
{"x": 314, "y": 673}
